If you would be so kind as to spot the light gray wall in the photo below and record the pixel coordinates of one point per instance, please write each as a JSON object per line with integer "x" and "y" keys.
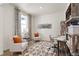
{"x": 8, "y": 24}
{"x": 1, "y": 31}
{"x": 53, "y": 19}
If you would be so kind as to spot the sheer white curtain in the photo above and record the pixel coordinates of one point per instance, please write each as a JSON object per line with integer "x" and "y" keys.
{"x": 24, "y": 26}
{"x": 17, "y": 22}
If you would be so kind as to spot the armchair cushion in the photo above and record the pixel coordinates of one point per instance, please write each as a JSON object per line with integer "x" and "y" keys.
{"x": 17, "y": 39}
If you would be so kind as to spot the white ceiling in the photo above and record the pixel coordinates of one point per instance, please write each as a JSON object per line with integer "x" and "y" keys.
{"x": 35, "y": 8}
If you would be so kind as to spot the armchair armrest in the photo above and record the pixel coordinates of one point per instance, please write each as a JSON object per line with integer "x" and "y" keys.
{"x": 23, "y": 40}
{"x": 16, "y": 46}
{"x": 19, "y": 46}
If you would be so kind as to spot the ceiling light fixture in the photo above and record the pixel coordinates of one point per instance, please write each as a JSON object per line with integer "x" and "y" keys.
{"x": 41, "y": 7}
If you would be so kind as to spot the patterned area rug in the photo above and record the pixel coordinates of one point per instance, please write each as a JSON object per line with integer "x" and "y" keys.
{"x": 42, "y": 48}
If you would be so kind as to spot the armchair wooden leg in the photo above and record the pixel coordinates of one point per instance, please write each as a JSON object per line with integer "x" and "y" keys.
{"x": 22, "y": 53}
{"x": 12, "y": 53}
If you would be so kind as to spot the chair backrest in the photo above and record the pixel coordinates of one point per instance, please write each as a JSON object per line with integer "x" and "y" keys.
{"x": 36, "y": 34}
{"x": 51, "y": 38}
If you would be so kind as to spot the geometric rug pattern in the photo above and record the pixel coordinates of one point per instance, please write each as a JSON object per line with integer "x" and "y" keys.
{"x": 42, "y": 48}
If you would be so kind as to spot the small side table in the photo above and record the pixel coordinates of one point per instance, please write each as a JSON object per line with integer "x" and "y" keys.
{"x": 60, "y": 39}
{"x": 64, "y": 46}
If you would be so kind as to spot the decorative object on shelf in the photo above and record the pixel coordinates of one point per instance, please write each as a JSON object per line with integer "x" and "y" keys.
{"x": 75, "y": 22}
{"x": 73, "y": 29}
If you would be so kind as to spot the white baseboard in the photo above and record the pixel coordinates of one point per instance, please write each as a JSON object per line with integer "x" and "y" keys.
{"x": 1, "y": 53}
{"x": 7, "y": 50}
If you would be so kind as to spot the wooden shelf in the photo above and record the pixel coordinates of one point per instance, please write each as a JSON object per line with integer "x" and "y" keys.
{"x": 72, "y": 19}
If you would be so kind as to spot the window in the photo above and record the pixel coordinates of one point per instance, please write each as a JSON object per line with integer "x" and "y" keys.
{"x": 24, "y": 24}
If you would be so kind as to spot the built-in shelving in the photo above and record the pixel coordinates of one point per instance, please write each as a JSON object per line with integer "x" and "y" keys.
{"x": 72, "y": 15}
{"x": 72, "y": 12}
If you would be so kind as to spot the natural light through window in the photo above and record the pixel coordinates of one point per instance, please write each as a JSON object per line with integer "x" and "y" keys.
{"x": 24, "y": 23}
